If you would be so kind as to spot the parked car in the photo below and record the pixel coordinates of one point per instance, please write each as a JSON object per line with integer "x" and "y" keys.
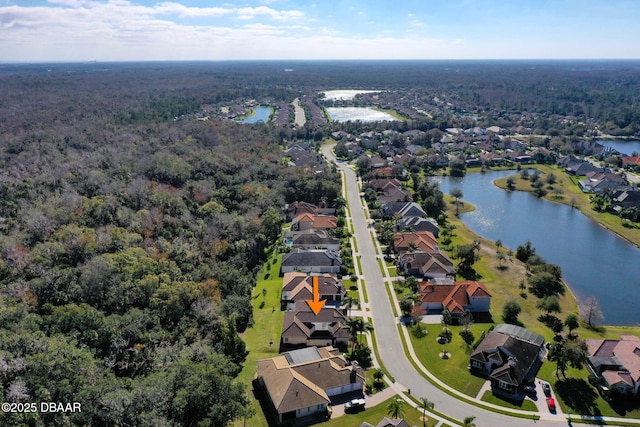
{"x": 354, "y": 405}
{"x": 551, "y": 404}
{"x": 546, "y": 387}
{"x": 530, "y": 389}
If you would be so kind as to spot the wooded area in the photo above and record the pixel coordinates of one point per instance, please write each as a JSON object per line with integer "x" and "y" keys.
{"x": 132, "y": 228}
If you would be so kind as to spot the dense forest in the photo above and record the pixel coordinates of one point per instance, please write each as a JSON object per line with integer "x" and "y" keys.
{"x": 132, "y": 231}
{"x": 128, "y": 251}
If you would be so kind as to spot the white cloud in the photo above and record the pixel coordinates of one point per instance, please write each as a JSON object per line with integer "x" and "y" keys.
{"x": 76, "y": 30}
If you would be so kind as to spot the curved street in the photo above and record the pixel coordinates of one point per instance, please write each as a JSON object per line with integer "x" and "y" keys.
{"x": 389, "y": 344}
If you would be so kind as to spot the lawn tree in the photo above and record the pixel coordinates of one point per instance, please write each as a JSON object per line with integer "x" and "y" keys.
{"x": 510, "y": 312}
{"x": 572, "y": 322}
{"x": 457, "y": 194}
{"x": 549, "y": 304}
{"x": 567, "y": 353}
{"x": 468, "y": 255}
{"x": 426, "y": 405}
{"x": 468, "y": 422}
{"x": 395, "y": 408}
{"x": 591, "y": 311}
{"x": 349, "y": 302}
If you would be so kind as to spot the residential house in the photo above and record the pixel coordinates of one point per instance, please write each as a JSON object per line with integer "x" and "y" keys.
{"x": 414, "y": 241}
{"x": 311, "y": 261}
{"x": 627, "y": 199}
{"x": 312, "y": 239}
{"x": 630, "y": 160}
{"x": 510, "y": 357}
{"x": 307, "y": 221}
{"x": 300, "y": 384}
{"x": 428, "y": 265}
{"x": 598, "y": 182}
{"x": 580, "y": 167}
{"x": 298, "y": 208}
{"x": 616, "y": 363}
{"x": 298, "y": 286}
{"x": 302, "y": 327}
{"x": 415, "y": 223}
{"x": 390, "y": 190}
{"x": 388, "y": 422}
{"x": 402, "y": 210}
{"x": 456, "y": 298}
{"x": 378, "y": 162}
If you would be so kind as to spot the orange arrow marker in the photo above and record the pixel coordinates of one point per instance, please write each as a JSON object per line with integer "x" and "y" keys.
{"x": 316, "y": 305}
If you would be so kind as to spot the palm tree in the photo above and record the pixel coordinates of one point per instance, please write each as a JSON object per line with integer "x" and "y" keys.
{"x": 364, "y": 327}
{"x": 425, "y": 404}
{"x": 572, "y": 322}
{"x": 468, "y": 422}
{"x": 395, "y": 408}
{"x": 457, "y": 194}
{"x": 349, "y": 302}
{"x": 352, "y": 325}
{"x": 356, "y": 326}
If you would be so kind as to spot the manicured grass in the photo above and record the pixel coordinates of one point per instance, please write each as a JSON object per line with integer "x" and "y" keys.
{"x": 373, "y": 415}
{"x": 266, "y": 328}
{"x": 526, "y": 405}
{"x": 452, "y": 371}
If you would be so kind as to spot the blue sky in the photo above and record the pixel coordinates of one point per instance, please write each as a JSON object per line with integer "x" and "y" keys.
{"x": 126, "y": 30}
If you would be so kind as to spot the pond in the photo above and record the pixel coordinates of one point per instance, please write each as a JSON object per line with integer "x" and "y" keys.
{"x": 594, "y": 261}
{"x": 363, "y": 114}
{"x": 260, "y": 114}
{"x": 344, "y": 94}
{"x": 623, "y": 146}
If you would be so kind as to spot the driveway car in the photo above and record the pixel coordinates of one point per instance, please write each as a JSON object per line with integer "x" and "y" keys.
{"x": 546, "y": 387}
{"x": 551, "y": 404}
{"x": 354, "y": 405}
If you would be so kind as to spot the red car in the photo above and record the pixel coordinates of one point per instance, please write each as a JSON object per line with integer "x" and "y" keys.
{"x": 551, "y": 404}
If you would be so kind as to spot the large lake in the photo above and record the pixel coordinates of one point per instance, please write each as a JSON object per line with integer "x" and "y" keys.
{"x": 344, "y": 94}
{"x": 594, "y": 261}
{"x": 363, "y": 114}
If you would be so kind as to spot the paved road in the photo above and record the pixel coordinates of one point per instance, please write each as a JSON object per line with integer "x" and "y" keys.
{"x": 385, "y": 326}
{"x": 300, "y": 118}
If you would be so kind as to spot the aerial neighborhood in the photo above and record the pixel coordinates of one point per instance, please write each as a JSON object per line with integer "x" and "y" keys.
{"x": 339, "y": 243}
{"x": 430, "y": 277}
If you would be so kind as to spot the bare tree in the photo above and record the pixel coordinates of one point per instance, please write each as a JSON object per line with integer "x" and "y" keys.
{"x": 591, "y": 311}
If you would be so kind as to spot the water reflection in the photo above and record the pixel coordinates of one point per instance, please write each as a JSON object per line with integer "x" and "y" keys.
{"x": 594, "y": 261}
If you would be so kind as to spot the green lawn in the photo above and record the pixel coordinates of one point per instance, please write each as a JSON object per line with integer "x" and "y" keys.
{"x": 452, "y": 371}
{"x": 266, "y": 328}
{"x": 525, "y": 405}
{"x": 373, "y": 415}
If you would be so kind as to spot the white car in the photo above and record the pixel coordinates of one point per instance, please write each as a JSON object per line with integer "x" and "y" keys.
{"x": 354, "y": 405}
